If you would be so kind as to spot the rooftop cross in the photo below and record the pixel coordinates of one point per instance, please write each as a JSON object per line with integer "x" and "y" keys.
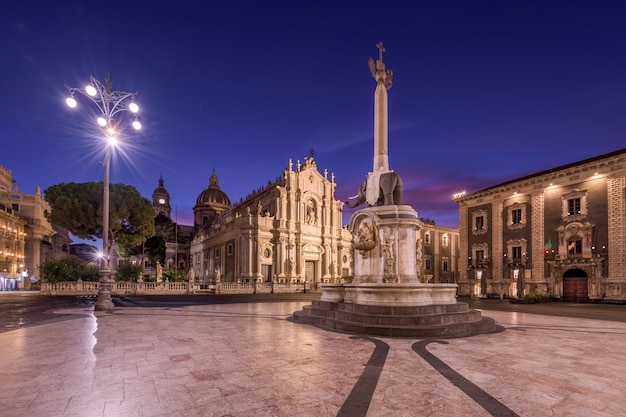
{"x": 381, "y": 49}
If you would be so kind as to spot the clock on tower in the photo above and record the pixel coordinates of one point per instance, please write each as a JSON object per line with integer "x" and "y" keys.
{"x": 161, "y": 200}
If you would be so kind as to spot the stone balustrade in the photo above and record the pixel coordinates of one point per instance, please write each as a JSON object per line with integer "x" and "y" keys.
{"x": 166, "y": 288}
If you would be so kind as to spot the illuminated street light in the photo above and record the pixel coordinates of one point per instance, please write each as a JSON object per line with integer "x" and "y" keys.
{"x": 109, "y": 103}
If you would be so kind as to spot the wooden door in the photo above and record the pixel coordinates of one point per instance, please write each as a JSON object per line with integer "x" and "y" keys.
{"x": 575, "y": 290}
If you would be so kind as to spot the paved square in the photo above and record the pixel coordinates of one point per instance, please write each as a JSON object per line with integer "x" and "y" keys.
{"x": 250, "y": 360}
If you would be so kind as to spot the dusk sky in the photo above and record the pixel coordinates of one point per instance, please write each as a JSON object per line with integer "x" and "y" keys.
{"x": 483, "y": 92}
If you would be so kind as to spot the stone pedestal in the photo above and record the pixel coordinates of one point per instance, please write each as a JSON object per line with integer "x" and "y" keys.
{"x": 399, "y": 294}
{"x": 386, "y": 297}
{"x": 385, "y": 244}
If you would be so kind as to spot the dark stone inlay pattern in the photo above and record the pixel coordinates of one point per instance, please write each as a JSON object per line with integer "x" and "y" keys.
{"x": 489, "y": 403}
{"x": 360, "y": 397}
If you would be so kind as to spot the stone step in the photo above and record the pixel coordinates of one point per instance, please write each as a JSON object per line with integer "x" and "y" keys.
{"x": 393, "y": 310}
{"x": 440, "y": 321}
{"x": 397, "y": 319}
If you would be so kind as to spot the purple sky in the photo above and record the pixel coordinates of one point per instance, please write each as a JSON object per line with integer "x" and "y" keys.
{"x": 484, "y": 92}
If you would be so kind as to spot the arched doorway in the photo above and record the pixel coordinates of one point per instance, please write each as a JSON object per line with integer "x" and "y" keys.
{"x": 575, "y": 286}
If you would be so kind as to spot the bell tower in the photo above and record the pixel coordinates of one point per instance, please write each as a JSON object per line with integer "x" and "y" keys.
{"x": 161, "y": 200}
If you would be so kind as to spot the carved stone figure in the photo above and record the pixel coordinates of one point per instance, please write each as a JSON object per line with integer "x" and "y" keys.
{"x": 292, "y": 266}
{"x": 159, "y": 272}
{"x": 311, "y": 212}
{"x": 390, "y": 185}
{"x": 389, "y": 257}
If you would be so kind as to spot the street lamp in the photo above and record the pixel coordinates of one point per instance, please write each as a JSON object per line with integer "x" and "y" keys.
{"x": 109, "y": 103}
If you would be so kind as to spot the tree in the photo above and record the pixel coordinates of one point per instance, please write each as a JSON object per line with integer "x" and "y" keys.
{"x": 128, "y": 272}
{"x": 77, "y": 207}
{"x": 155, "y": 250}
{"x": 168, "y": 229}
{"x": 69, "y": 268}
{"x": 176, "y": 275}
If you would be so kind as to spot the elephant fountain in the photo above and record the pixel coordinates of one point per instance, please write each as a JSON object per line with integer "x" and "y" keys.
{"x": 390, "y": 186}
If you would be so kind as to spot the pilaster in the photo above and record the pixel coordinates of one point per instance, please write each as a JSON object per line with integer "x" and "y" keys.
{"x": 496, "y": 241}
{"x": 537, "y": 237}
{"x": 463, "y": 235}
{"x": 616, "y": 230}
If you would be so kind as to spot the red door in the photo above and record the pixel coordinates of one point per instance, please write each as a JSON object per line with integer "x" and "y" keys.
{"x": 575, "y": 290}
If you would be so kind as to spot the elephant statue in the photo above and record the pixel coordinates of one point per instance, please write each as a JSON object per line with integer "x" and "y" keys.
{"x": 390, "y": 191}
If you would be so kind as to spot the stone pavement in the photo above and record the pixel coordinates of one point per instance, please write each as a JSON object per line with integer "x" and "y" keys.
{"x": 249, "y": 359}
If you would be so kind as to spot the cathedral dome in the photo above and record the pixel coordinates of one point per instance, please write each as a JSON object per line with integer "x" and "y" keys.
{"x": 213, "y": 196}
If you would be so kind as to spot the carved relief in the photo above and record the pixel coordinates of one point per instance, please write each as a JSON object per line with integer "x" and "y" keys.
{"x": 390, "y": 259}
{"x": 366, "y": 237}
{"x": 266, "y": 249}
{"x": 575, "y": 239}
{"x": 312, "y": 251}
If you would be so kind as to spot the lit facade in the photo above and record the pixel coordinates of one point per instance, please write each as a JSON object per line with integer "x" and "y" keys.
{"x": 289, "y": 231}
{"x": 560, "y": 232}
{"x": 12, "y": 239}
{"x": 37, "y": 239}
{"x": 438, "y": 251}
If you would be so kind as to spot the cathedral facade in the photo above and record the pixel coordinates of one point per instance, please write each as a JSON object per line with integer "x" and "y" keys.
{"x": 560, "y": 232}
{"x": 287, "y": 232}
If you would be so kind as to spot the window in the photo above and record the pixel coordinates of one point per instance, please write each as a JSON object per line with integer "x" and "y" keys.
{"x": 428, "y": 265}
{"x": 479, "y": 254}
{"x": 445, "y": 265}
{"x": 516, "y": 250}
{"x": 575, "y": 247}
{"x": 229, "y": 249}
{"x": 427, "y": 238}
{"x": 516, "y": 216}
{"x": 479, "y": 223}
{"x": 573, "y": 206}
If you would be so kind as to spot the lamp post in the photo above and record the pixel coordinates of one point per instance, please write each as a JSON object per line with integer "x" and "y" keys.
{"x": 109, "y": 104}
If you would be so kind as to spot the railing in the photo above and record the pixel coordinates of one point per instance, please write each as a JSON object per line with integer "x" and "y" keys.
{"x": 256, "y": 288}
{"x": 167, "y": 288}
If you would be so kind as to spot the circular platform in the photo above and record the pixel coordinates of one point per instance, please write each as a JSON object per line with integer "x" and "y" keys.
{"x": 440, "y": 321}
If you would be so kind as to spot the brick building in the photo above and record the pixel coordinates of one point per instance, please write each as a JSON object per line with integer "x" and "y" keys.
{"x": 560, "y": 232}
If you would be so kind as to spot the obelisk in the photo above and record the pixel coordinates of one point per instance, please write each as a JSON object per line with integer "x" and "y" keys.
{"x": 381, "y": 111}
{"x": 381, "y": 125}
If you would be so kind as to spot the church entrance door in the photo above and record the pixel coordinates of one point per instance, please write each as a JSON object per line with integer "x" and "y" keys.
{"x": 310, "y": 275}
{"x": 266, "y": 271}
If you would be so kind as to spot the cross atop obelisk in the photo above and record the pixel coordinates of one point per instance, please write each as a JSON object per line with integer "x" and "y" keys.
{"x": 381, "y": 49}
{"x": 381, "y": 126}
